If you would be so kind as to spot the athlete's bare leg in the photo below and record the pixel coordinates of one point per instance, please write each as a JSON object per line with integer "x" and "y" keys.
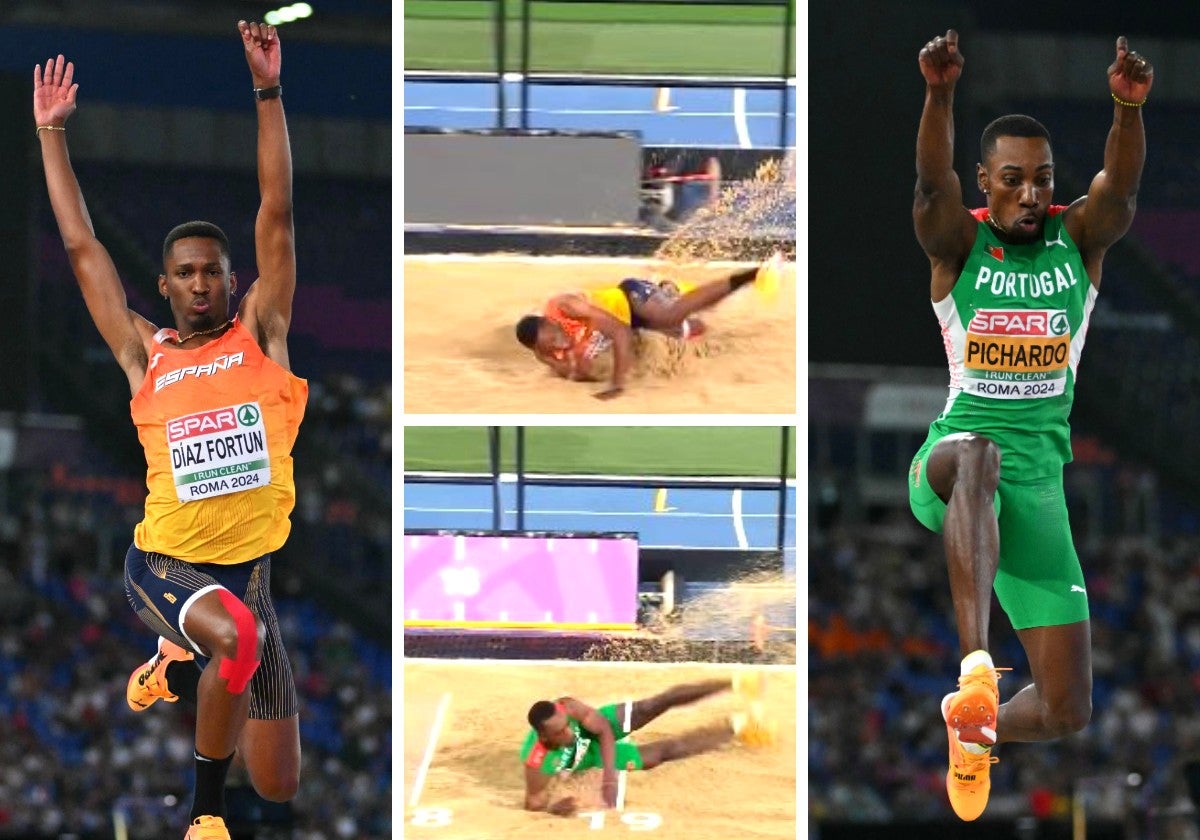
{"x": 1059, "y": 701}
{"x": 693, "y": 743}
{"x": 663, "y": 313}
{"x": 964, "y": 470}
{"x": 221, "y": 714}
{"x": 271, "y": 752}
{"x": 644, "y": 711}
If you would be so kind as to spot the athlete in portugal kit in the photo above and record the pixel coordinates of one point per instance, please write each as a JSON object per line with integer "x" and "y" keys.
{"x": 1013, "y": 286}
{"x": 568, "y": 736}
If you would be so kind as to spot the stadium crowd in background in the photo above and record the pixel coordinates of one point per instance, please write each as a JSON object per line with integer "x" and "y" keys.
{"x": 880, "y": 636}
{"x": 69, "y": 746}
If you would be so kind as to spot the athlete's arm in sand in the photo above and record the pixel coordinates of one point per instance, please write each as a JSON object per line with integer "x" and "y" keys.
{"x": 578, "y": 371}
{"x": 537, "y": 789}
{"x": 1098, "y": 219}
{"x": 537, "y": 794}
{"x": 618, "y": 333}
{"x": 266, "y": 310}
{"x": 126, "y": 333}
{"x": 945, "y": 228}
{"x": 594, "y": 722}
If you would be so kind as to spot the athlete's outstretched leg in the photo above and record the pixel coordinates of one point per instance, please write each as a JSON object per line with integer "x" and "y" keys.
{"x": 225, "y": 629}
{"x": 964, "y": 470}
{"x": 693, "y": 743}
{"x": 271, "y": 752}
{"x": 661, "y": 312}
{"x": 641, "y": 712}
{"x": 270, "y": 742}
{"x": 1059, "y": 701}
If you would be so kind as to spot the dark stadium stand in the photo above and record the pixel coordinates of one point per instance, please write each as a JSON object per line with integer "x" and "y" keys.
{"x": 71, "y": 748}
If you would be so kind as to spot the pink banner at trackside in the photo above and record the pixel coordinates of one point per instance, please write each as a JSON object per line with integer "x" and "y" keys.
{"x": 520, "y": 579}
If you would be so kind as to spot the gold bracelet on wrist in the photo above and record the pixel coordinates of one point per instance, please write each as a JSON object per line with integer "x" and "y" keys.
{"x": 1121, "y": 101}
{"x": 50, "y": 128}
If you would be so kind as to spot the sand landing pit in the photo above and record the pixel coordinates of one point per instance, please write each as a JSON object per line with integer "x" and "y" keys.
{"x": 461, "y": 356}
{"x": 473, "y": 785}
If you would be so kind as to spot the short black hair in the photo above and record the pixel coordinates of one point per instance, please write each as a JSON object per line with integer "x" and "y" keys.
{"x": 540, "y": 712}
{"x": 527, "y": 330}
{"x": 205, "y": 229}
{"x": 1012, "y": 125}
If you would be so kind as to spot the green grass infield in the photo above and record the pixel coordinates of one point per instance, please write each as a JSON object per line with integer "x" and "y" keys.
{"x": 611, "y": 450}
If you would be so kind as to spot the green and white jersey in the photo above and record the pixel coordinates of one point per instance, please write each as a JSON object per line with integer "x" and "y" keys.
{"x": 1013, "y": 329}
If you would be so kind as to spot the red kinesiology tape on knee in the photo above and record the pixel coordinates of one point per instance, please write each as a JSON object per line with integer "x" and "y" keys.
{"x": 241, "y": 668}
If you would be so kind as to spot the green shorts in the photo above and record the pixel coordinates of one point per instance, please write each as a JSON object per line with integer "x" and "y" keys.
{"x": 1039, "y": 581}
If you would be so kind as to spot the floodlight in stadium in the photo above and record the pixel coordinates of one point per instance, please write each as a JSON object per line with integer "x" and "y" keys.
{"x": 287, "y": 14}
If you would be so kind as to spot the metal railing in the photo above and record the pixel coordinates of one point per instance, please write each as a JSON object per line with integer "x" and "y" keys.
{"x": 495, "y": 477}
{"x": 526, "y": 76}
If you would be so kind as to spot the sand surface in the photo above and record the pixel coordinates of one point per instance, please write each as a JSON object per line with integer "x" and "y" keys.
{"x": 460, "y": 354}
{"x": 474, "y": 785}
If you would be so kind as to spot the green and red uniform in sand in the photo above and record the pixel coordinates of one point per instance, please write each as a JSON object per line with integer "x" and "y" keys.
{"x": 584, "y": 753}
{"x": 1013, "y": 328}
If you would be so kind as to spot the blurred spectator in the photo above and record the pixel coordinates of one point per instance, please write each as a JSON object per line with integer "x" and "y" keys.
{"x": 71, "y": 751}
{"x": 882, "y": 650}
{"x": 674, "y": 187}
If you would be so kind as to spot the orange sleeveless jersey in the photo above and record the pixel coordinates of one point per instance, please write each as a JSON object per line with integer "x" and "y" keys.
{"x": 218, "y": 424}
{"x": 586, "y": 341}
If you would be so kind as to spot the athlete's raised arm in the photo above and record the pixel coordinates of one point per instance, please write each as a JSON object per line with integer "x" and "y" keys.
{"x": 266, "y": 309}
{"x": 125, "y": 332}
{"x": 1103, "y": 216}
{"x": 944, "y": 228}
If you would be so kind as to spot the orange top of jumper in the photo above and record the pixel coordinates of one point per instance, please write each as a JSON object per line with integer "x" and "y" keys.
{"x": 217, "y": 424}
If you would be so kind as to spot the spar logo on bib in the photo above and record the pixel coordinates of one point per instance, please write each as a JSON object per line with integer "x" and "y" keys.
{"x": 220, "y": 451}
{"x": 1017, "y": 353}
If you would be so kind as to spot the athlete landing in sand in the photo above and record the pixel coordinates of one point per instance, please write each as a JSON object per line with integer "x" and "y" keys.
{"x": 217, "y": 410}
{"x": 568, "y": 736}
{"x": 575, "y": 328}
{"x": 1013, "y": 287}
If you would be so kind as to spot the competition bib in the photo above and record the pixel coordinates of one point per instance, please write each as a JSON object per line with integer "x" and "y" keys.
{"x": 1017, "y": 353}
{"x": 217, "y": 452}
{"x": 581, "y": 747}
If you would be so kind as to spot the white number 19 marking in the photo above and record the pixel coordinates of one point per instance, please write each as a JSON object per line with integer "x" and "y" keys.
{"x": 636, "y": 821}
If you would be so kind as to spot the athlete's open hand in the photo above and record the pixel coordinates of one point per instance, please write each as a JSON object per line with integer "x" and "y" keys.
{"x": 54, "y": 92}
{"x": 261, "y": 42}
{"x": 941, "y": 62}
{"x": 1130, "y": 75}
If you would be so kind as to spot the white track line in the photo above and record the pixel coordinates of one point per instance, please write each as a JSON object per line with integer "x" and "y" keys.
{"x": 561, "y": 260}
{"x": 567, "y": 663}
{"x": 739, "y": 117}
{"x": 739, "y": 526}
{"x": 491, "y": 109}
{"x": 430, "y": 746}
{"x": 630, "y": 513}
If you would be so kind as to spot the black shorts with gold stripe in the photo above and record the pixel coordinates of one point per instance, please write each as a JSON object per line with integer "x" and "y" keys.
{"x": 161, "y": 589}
